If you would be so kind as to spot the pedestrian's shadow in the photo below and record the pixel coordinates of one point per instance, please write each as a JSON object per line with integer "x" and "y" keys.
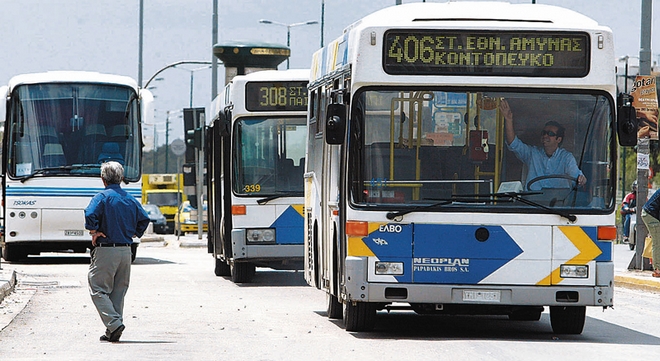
{"x": 149, "y": 261}
{"x": 142, "y": 342}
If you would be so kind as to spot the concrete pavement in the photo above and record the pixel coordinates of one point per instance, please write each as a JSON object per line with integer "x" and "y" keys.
{"x": 641, "y": 280}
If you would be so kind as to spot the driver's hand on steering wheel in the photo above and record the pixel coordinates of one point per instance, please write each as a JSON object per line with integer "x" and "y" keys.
{"x": 582, "y": 180}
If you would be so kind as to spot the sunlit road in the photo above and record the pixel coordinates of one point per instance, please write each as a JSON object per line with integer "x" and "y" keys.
{"x": 177, "y": 309}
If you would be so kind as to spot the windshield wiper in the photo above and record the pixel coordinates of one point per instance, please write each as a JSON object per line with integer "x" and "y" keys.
{"x": 394, "y": 214}
{"x": 45, "y": 170}
{"x": 279, "y": 195}
{"x": 519, "y": 197}
{"x": 477, "y": 198}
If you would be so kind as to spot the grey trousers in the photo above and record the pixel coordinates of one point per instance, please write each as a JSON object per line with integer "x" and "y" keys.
{"x": 109, "y": 276}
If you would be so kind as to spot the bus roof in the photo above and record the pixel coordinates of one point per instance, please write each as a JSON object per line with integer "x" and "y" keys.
{"x": 487, "y": 15}
{"x": 271, "y": 75}
{"x": 71, "y": 77}
{"x": 498, "y": 14}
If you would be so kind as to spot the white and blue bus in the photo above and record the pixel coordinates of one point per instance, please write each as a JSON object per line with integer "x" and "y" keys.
{"x": 255, "y": 161}
{"x": 58, "y": 128}
{"x": 412, "y": 198}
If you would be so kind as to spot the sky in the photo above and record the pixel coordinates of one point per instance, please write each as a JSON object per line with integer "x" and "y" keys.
{"x": 103, "y": 36}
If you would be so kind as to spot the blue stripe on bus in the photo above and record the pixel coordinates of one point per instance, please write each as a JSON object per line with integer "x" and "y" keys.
{"x": 289, "y": 227}
{"x": 62, "y": 192}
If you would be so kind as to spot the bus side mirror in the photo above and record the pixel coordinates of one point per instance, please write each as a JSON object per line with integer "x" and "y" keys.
{"x": 223, "y": 123}
{"x": 626, "y": 122}
{"x": 335, "y": 124}
{"x": 4, "y": 92}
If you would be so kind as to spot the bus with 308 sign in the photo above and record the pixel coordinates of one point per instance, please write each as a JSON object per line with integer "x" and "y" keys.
{"x": 255, "y": 161}
{"x": 420, "y": 187}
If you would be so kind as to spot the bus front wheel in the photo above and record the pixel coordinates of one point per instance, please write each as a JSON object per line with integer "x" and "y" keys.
{"x": 568, "y": 320}
{"x": 222, "y": 268}
{"x": 335, "y": 310}
{"x": 242, "y": 272}
{"x": 359, "y": 316}
{"x": 13, "y": 253}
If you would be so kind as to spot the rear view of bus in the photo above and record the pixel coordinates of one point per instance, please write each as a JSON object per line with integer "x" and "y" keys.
{"x": 414, "y": 196}
{"x": 256, "y": 152}
{"x": 59, "y": 128}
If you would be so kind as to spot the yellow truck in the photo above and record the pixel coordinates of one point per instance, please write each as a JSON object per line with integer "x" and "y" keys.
{"x": 165, "y": 191}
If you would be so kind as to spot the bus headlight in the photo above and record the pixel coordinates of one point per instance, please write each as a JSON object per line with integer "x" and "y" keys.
{"x": 573, "y": 271}
{"x": 261, "y": 236}
{"x": 389, "y": 268}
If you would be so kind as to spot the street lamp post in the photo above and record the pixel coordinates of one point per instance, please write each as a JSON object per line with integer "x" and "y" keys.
{"x": 288, "y": 30}
{"x": 192, "y": 79}
{"x": 625, "y": 59}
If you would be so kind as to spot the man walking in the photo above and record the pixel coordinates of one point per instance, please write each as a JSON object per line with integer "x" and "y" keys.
{"x": 113, "y": 217}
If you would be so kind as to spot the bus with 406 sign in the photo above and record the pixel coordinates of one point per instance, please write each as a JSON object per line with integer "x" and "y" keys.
{"x": 414, "y": 196}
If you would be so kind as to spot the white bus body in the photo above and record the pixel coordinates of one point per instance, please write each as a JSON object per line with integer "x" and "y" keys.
{"x": 258, "y": 137}
{"x": 59, "y": 127}
{"x": 411, "y": 194}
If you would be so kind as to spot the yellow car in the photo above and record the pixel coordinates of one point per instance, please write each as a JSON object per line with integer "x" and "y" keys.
{"x": 185, "y": 219}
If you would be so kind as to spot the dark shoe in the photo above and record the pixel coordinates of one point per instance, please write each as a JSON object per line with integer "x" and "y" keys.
{"x": 104, "y": 338}
{"x": 116, "y": 334}
{"x": 626, "y": 240}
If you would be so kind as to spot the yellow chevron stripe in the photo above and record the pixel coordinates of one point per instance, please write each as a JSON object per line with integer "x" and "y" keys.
{"x": 298, "y": 208}
{"x": 357, "y": 247}
{"x": 588, "y": 252}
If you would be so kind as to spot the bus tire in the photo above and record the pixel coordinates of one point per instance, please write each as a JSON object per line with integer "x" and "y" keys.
{"x": 568, "y": 320}
{"x": 359, "y": 316}
{"x": 222, "y": 268}
{"x": 335, "y": 308}
{"x": 12, "y": 253}
{"x": 242, "y": 272}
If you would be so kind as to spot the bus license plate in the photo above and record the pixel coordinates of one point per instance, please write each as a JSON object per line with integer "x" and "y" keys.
{"x": 481, "y": 296}
{"x": 73, "y": 232}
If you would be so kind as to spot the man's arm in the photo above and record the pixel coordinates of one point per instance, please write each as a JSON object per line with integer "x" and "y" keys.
{"x": 508, "y": 121}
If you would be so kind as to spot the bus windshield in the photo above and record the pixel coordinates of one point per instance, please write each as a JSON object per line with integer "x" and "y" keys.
{"x": 69, "y": 129}
{"x": 269, "y": 156}
{"x": 450, "y": 149}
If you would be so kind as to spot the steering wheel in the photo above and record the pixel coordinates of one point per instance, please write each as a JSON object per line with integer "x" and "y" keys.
{"x": 552, "y": 176}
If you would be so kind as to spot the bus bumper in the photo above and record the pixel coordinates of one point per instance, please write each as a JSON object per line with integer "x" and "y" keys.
{"x": 520, "y": 295}
{"x": 268, "y": 254}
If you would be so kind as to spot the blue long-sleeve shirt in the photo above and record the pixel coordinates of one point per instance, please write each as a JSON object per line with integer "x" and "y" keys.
{"x": 539, "y": 164}
{"x": 116, "y": 214}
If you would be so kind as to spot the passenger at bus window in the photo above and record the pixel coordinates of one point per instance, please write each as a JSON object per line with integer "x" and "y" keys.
{"x": 547, "y": 160}
{"x": 651, "y": 218}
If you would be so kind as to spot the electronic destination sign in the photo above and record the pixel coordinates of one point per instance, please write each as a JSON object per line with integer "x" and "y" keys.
{"x": 498, "y": 53}
{"x": 276, "y": 96}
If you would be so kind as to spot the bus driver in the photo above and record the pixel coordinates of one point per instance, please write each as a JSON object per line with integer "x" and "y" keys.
{"x": 547, "y": 160}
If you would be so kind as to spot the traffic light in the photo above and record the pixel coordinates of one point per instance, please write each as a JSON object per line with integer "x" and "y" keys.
{"x": 194, "y": 137}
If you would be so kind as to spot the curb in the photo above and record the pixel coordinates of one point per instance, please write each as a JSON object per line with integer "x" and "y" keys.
{"x": 637, "y": 283}
{"x": 7, "y": 283}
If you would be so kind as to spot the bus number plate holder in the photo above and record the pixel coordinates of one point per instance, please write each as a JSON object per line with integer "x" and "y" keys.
{"x": 482, "y": 296}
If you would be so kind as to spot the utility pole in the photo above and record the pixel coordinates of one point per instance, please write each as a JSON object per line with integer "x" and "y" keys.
{"x": 643, "y": 145}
